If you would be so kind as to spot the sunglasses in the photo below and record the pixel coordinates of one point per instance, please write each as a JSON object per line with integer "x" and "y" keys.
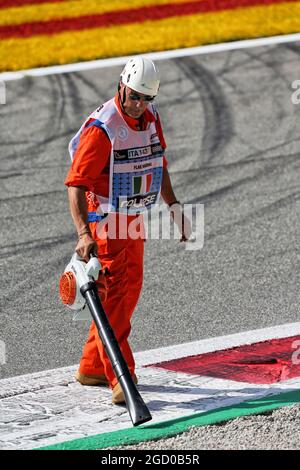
{"x": 135, "y": 97}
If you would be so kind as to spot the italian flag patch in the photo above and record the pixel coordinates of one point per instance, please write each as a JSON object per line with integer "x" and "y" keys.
{"x": 142, "y": 184}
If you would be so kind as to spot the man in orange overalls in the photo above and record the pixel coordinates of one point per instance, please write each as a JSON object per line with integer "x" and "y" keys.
{"x": 118, "y": 170}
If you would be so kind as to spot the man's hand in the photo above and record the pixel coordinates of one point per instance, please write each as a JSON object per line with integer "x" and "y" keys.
{"x": 86, "y": 244}
{"x": 182, "y": 221}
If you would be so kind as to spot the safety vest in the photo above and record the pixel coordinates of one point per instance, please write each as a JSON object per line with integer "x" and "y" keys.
{"x": 136, "y": 161}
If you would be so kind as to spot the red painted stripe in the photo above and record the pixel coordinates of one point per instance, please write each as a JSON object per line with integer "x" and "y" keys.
{"x": 259, "y": 363}
{"x": 148, "y": 182}
{"x": 20, "y": 3}
{"x": 135, "y": 15}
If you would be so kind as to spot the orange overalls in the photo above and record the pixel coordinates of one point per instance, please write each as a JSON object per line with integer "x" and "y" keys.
{"x": 122, "y": 257}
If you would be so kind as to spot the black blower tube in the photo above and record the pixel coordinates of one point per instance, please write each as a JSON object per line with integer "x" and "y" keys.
{"x": 136, "y": 407}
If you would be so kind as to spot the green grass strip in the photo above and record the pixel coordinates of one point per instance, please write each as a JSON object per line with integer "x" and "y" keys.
{"x": 172, "y": 427}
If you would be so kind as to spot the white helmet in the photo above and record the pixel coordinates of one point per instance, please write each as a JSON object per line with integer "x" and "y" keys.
{"x": 141, "y": 75}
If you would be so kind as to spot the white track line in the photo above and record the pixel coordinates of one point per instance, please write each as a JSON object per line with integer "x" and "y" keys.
{"x": 163, "y": 55}
{"x": 216, "y": 344}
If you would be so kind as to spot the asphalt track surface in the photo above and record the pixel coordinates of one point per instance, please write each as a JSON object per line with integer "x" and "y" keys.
{"x": 233, "y": 144}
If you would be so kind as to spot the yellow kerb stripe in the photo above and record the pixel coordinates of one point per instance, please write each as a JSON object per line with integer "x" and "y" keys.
{"x": 72, "y": 9}
{"x": 178, "y": 32}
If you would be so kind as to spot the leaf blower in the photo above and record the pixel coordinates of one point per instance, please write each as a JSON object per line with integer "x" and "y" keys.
{"x": 78, "y": 288}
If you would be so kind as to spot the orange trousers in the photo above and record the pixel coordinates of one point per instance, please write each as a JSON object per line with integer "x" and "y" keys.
{"x": 124, "y": 260}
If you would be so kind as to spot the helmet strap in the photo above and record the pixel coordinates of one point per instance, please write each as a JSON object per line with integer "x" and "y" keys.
{"x": 124, "y": 96}
{"x": 123, "y": 99}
